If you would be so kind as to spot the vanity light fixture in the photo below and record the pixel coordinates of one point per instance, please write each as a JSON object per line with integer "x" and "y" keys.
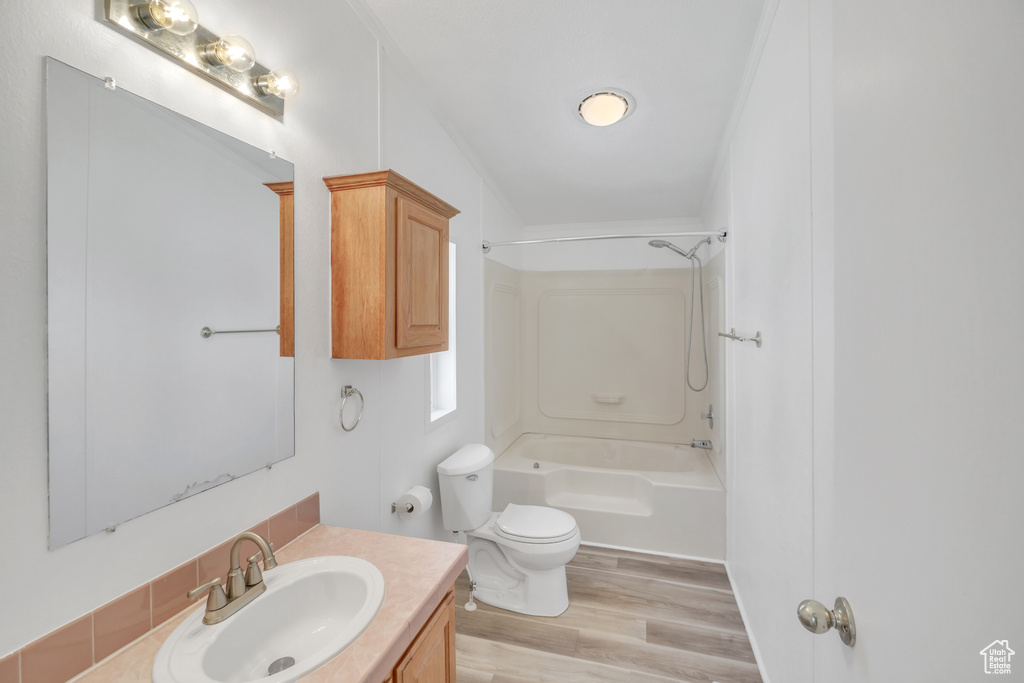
{"x": 172, "y": 27}
{"x": 606, "y": 107}
{"x": 234, "y": 52}
{"x": 174, "y": 16}
{"x": 280, "y": 83}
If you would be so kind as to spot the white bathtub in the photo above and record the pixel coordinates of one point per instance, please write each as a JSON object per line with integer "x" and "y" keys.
{"x": 652, "y": 497}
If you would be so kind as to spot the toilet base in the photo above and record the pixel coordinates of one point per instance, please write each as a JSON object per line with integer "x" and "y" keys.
{"x": 500, "y": 583}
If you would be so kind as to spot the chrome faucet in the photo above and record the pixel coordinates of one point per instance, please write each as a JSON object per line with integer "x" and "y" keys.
{"x": 241, "y": 588}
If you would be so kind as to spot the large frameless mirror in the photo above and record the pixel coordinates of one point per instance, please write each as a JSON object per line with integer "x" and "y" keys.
{"x": 158, "y": 227}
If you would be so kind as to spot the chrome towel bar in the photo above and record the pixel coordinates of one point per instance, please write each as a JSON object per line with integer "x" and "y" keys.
{"x": 731, "y": 334}
{"x": 206, "y": 332}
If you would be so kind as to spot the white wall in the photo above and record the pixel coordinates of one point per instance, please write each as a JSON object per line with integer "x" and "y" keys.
{"x": 766, "y": 180}
{"x": 331, "y": 128}
{"x": 503, "y": 348}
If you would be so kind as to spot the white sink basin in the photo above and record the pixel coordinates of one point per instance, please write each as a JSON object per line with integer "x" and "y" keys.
{"x": 312, "y": 610}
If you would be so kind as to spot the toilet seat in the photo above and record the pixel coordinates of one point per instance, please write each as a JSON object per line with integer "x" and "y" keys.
{"x": 535, "y": 524}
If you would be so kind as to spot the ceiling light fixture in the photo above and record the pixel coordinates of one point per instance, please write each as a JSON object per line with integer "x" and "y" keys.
{"x": 606, "y": 107}
{"x": 172, "y": 26}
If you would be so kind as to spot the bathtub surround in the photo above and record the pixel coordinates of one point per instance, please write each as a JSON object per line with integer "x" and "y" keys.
{"x": 591, "y": 353}
{"x": 73, "y": 648}
{"x": 660, "y": 498}
{"x": 598, "y": 357}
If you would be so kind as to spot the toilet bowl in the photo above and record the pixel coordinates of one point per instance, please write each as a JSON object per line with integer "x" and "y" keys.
{"x": 517, "y": 557}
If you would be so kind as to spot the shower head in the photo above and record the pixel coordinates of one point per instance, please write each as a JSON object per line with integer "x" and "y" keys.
{"x": 658, "y": 244}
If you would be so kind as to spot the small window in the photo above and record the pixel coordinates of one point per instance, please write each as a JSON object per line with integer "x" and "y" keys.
{"x": 442, "y": 365}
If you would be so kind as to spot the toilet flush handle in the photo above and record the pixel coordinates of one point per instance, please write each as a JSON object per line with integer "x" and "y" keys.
{"x": 473, "y": 477}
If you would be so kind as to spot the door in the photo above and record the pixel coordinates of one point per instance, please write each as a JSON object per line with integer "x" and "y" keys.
{"x": 918, "y": 504}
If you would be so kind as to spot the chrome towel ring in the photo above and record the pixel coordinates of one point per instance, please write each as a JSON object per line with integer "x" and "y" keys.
{"x": 346, "y": 392}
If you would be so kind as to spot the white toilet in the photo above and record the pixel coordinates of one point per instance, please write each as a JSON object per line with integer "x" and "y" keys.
{"x": 517, "y": 557}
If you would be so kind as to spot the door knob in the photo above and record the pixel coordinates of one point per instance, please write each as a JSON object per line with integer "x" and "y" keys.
{"x": 817, "y": 618}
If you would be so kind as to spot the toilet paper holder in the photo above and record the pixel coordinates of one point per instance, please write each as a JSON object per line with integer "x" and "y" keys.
{"x": 413, "y": 502}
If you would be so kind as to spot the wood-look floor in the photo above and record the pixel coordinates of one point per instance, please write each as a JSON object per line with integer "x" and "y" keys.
{"x": 631, "y": 617}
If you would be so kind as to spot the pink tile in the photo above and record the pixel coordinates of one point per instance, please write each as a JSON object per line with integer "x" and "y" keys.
{"x": 120, "y": 622}
{"x": 307, "y": 513}
{"x": 215, "y": 563}
{"x": 248, "y": 548}
{"x": 263, "y": 529}
{"x": 283, "y": 527}
{"x": 170, "y": 589}
{"x": 10, "y": 669}
{"x": 56, "y": 657}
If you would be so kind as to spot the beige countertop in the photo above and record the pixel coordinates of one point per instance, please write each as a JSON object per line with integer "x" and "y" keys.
{"x": 417, "y": 574}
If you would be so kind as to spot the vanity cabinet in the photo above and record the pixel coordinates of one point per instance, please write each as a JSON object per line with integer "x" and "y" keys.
{"x": 431, "y": 657}
{"x": 389, "y": 267}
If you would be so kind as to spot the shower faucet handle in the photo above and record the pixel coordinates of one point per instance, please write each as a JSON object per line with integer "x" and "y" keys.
{"x": 709, "y": 416}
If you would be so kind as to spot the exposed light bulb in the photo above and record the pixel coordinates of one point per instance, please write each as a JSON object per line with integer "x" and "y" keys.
{"x": 279, "y": 83}
{"x": 174, "y": 16}
{"x": 231, "y": 51}
{"x": 604, "y": 108}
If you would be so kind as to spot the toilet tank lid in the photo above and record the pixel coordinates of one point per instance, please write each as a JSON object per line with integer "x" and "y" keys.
{"x": 470, "y": 458}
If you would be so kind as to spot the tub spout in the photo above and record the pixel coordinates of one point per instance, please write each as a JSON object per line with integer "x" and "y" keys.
{"x": 701, "y": 443}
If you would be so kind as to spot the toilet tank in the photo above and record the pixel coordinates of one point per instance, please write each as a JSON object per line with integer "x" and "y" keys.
{"x": 466, "y": 479}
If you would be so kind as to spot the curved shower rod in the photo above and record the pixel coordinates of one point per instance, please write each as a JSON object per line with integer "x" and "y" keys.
{"x": 720, "y": 234}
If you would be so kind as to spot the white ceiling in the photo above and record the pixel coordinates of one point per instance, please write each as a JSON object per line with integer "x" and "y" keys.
{"x": 508, "y": 76}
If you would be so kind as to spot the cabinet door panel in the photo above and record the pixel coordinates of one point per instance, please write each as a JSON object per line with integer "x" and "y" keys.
{"x": 431, "y": 659}
{"x": 421, "y": 288}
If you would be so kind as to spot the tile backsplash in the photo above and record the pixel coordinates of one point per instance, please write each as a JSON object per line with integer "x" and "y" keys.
{"x": 75, "y": 647}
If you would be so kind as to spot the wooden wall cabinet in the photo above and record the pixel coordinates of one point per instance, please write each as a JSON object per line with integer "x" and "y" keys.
{"x": 431, "y": 657}
{"x": 389, "y": 267}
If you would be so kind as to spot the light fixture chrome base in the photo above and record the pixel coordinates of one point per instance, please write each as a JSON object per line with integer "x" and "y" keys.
{"x": 123, "y": 16}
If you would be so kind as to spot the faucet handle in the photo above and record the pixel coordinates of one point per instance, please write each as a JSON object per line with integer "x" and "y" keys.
{"x": 217, "y": 598}
{"x": 258, "y": 555}
{"x": 253, "y": 575}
